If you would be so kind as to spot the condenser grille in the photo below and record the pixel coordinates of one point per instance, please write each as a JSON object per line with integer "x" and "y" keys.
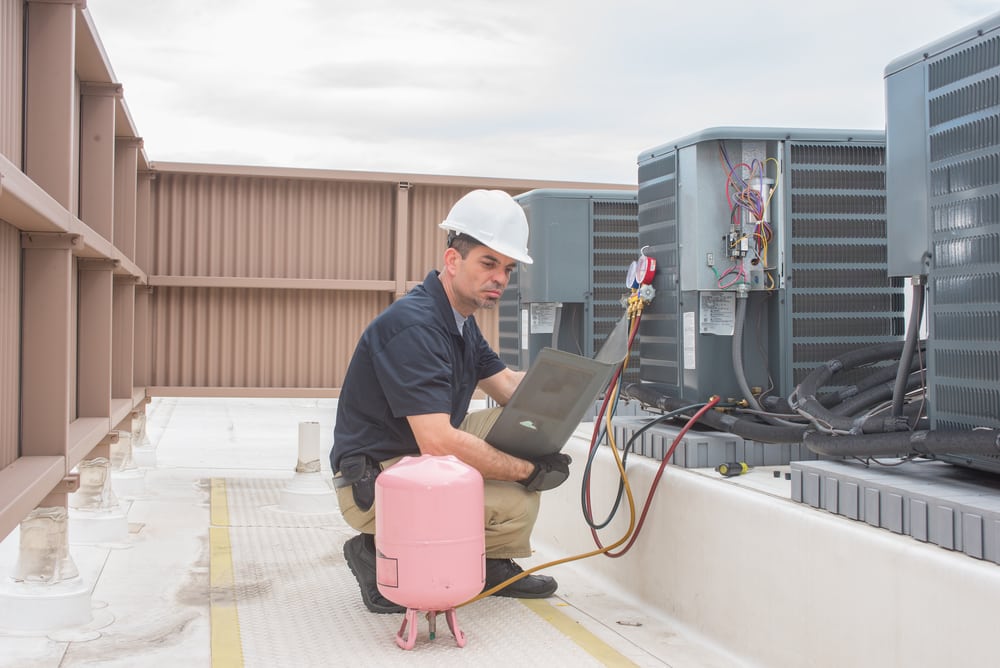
{"x": 615, "y": 237}
{"x": 966, "y": 213}
{"x": 964, "y": 403}
{"x": 658, "y": 358}
{"x": 876, "y": 302}
{"x": 977, "y": 96}
{"x": 838, "y": 154}
{"x": 980, "y": 365}
{"x": 958, "y": 65}
{"x": 838, "y": 281}
{"x": 819, "y": 327}
{"x": 844, "y": 278}
{"x": 965, "y": 175}
{"x": 978, "y": 325}
{"x": 822, "y": 203}
{"x": 850, "y": 228}
{"x": 981, "y": 134}
{"x": 981, "y": 289}
{"x": 830, "y": 253}
{"x": 838, "y": 179}
{"x": 979, "y": 249}
{"x": 963, "y": 102}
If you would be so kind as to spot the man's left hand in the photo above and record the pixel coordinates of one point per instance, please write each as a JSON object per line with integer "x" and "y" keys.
{"x": 550, "y": 472}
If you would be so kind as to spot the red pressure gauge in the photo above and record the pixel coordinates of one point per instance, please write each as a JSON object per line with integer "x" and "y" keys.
{"x": 645, "y": 270}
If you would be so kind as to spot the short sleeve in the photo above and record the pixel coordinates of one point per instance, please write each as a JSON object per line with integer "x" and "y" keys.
{"x": 488, "y": 363}
{"x": 415, "y": 371}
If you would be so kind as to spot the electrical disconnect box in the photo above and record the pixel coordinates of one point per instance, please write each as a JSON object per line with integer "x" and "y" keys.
{"x": 570, "y": 298}
{"x": 771, "y": 242}
{"x": 943, "y": 133}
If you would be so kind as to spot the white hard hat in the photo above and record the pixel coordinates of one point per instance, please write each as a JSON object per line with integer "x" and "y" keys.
{"x": 494, "y": 219}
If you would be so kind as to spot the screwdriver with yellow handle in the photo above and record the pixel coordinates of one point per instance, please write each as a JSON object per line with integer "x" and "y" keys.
{"x": 731, "y": 469}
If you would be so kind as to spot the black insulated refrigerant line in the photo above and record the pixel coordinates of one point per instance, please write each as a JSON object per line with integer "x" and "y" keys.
{"x": 909, "y": 350}
{"x": 921, "y": 443}
{"x": 805, "y": 400}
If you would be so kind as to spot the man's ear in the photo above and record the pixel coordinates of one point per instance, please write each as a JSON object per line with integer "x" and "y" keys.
{"x": 451, "y": 260}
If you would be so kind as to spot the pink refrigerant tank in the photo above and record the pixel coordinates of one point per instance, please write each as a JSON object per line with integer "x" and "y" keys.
{"x": 429, "y": 539}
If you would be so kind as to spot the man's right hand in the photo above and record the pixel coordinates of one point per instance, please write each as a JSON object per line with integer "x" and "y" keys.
{"x": 550, "y": 472}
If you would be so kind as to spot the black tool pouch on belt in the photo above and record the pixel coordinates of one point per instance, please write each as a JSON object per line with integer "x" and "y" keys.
{"x": 360, "y": 471}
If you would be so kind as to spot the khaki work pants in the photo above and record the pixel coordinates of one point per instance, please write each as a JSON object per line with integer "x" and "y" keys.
{"x": 510, "y": 509}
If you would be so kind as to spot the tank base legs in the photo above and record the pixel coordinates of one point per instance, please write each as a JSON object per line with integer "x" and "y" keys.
{"x": 408, "y": 638}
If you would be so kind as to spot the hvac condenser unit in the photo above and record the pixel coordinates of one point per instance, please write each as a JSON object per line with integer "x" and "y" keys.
{"x": 582, "y": 243}
{"x": 943, "y": 151}
{"x": 783, "y": 227}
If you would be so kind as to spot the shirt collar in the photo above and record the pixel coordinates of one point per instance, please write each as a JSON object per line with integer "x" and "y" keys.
{"x": 459, "y": 321}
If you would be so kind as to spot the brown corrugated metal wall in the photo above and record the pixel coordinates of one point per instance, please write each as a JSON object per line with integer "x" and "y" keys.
{"x": 428, "y": 207}
{"x": 233, "y": 226}
{"x": 233, "y": 339}
{"x": 263, "y": 281}
{"x": 10, "y": 341}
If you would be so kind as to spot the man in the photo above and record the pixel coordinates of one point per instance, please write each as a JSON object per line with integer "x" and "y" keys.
{"x": 408, "y": 388}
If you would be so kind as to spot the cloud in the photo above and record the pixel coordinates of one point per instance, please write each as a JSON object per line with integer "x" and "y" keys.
{"x": 556, "y": 89}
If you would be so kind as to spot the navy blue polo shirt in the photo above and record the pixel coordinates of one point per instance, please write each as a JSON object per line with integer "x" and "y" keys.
{"x": 410, "y": 360}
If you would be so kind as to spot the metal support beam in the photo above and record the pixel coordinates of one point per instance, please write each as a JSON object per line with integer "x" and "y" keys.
{"x": 402, "y": 236}
{"x": 47, "y": 349}
{"x": 50, "y": 100}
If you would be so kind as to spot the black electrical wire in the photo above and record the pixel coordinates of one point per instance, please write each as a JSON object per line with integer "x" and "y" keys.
{"x": 868, "y": 461}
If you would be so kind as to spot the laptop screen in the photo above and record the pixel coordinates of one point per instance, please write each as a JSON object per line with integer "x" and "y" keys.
{"x": 549, "y": 403}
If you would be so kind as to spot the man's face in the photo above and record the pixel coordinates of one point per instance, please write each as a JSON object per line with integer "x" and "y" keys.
{"x": 480, "y": 278}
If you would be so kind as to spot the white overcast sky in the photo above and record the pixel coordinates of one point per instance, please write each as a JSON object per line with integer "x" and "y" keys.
{"x": 541, "y": 89}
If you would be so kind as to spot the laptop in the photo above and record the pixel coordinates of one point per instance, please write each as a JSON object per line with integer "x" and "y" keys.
{"x": 554, "y": 395}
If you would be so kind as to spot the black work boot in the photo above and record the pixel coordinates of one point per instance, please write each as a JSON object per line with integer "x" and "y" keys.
{"x": 530, "y": 586}
{"x": 360, "y": 554}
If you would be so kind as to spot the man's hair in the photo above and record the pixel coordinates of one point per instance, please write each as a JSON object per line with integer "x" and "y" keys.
{"x": 463, "y": 243}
